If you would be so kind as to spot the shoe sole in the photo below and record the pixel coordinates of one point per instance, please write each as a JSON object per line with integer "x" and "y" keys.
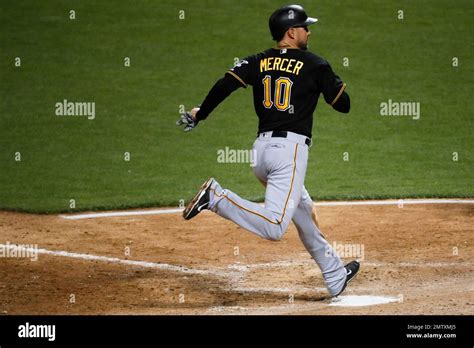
{"x": 190, "y": 207}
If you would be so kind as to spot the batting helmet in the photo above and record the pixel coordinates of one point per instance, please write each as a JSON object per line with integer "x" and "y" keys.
{"x": 288, "y": 17}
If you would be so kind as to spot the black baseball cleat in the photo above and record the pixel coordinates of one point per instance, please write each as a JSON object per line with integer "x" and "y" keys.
{"x": 351, "y": 271}
{"x": 200, "y": 201}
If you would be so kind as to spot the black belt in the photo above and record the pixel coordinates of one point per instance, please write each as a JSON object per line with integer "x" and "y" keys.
{"x": 284, "y": 134}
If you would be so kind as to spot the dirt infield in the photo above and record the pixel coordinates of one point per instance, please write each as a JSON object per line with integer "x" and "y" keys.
{"x": 422, "y": 255}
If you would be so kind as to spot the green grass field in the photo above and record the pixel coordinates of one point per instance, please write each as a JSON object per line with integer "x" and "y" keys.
{"x": 176, "y": 61}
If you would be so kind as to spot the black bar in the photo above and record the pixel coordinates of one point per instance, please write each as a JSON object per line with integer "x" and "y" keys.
{"x": 224, "y": 330}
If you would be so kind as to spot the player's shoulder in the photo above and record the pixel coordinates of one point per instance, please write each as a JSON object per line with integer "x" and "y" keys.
{"x": 251, "y": 59}
{"x": 260, "y": 55}
{"x": 316, "y": 59}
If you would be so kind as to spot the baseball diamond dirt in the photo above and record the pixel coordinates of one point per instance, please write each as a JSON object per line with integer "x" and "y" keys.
{"x": 419, "y": 256}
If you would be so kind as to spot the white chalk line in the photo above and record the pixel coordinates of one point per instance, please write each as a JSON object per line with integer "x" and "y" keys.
{"x": 230, "y": 271}
{"x": 121, "y": 213}
{"x": 239, "y": 267}
{"x": 399, "y": 202}
{"x": 396, "y": 202}
{"x": 143, "y": 264}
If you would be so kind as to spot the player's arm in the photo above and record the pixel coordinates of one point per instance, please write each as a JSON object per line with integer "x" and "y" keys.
{"x": 232, "y": 80}
{"x": 333, "y": 89}
{"x": 221, "y": 90}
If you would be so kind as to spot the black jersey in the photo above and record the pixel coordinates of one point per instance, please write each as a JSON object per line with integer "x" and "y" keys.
{"x": 286, "y": 87}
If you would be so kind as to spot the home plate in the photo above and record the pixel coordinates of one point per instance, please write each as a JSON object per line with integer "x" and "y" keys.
{"x": 359, "y": 301}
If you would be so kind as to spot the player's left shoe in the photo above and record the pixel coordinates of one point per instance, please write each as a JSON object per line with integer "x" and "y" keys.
{"x": 351, "y": 271}
{"x": 200, "y": 201}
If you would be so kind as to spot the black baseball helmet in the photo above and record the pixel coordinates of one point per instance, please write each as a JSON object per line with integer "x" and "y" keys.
{"x": 288, "y": 17}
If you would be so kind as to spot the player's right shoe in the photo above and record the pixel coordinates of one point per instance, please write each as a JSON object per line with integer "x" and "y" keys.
{"x": 200, "y": 201}
{"x": 351, "y": 271}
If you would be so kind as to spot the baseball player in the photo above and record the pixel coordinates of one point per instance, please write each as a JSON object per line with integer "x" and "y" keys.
{"x": 287, "y": 81}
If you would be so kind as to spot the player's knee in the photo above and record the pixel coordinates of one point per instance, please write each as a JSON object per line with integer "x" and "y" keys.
{"x": 276, "y": 237}
{"x": 277, "y": 232}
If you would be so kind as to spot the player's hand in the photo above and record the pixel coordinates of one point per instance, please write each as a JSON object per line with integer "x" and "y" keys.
{"x": 188, "y": 119}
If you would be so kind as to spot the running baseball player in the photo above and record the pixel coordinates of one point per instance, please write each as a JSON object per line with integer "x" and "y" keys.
{"x": 287, "y": 81}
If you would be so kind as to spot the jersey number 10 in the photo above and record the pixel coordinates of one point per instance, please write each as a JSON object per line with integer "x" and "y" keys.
{"x": 282, "y": 93}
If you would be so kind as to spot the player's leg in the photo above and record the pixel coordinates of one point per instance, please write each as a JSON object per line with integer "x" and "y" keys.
{"x": 331, "y": 266}
{"x": 282, "y": 164}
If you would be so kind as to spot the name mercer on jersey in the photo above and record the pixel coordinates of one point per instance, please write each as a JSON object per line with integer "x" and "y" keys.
{"x": 291, "y": 66}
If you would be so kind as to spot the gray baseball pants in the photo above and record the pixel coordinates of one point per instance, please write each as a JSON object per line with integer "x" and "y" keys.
{"x": 280, "y": 164}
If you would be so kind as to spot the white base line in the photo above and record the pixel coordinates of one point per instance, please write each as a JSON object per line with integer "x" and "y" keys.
{"x": 144, "y": 264}
{"x": 230, "y": 271}
{"x": 121, "y": 213}
{"x": 397, "y": 202}
{"x": 320, "y": 204}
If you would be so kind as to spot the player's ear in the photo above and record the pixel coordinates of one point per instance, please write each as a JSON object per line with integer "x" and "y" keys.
{"x": 291, "y": 33}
